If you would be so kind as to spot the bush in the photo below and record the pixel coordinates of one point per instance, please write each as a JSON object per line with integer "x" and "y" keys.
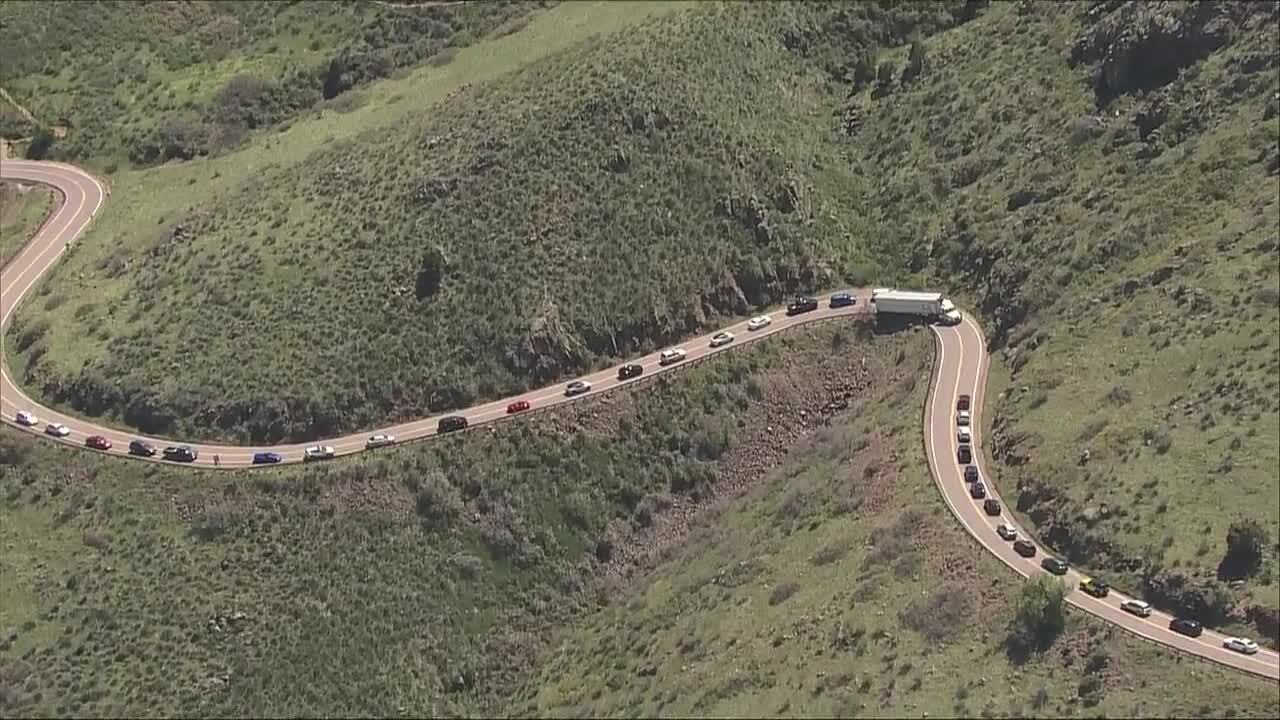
{"x": 1040, "y": 616}
{"x": 438, "y": 502}
{"x": 41, "y": 144}
{"x": 941, "y": 616}
{"x": 782, "y": 592}
{"x": 1246, "y": 542}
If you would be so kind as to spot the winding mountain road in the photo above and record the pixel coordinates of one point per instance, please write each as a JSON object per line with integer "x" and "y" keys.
{"x": 961, "y": 368}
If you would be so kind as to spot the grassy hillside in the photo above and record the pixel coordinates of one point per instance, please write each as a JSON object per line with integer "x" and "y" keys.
{"x": 1116, "y": 220}
{"x": 1101, "y": 187}
{"x": 23, "y": 208}
{"x": 418, "y": 581}
{"x": 841, "y": 587}
{"x": 436, "y": 579}
{"x": 149, "y": 82}
{"x": 613, "y": 197}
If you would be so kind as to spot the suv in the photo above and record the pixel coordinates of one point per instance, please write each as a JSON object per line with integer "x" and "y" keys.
{"x": 1006, "y": 532}
{"x": 450, "y": 424}
{"x": 266, "y": 458}
{"x": 802, "y": 305}
{"x": 1190, "y": 628}
{"x": 1057, "y": 566}
{"x": 1136, "y": 607}
{"x": 97, "y": 442}
{"x": 991, "y": 507}
{"x": 142, "y": 447}
{"x": 977, "y": 491}
{"x": 318, "y": 452}
{"x": 964, "y": 454}
{"x": 672, "y": 356}
{"x": 180, "y": 453}
{"x": 840, "y": 300}
{"x": 971, "y": 473}
{"x": 25, "y": 417}
{"x": 1025, "y": 548}
{"x": 1096, "y": 588}
{"x": 630, "y": 370}
{"x": 962, "y": 403}
{"x": 963, "y": 417}
{"x": 577, "y": 387}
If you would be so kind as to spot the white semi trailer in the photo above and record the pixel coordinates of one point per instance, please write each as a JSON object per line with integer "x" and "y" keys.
{"x": 928, "y": 305}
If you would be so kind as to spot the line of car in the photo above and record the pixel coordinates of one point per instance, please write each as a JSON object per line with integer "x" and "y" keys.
{"x": 447, "y": 424}
{"x": 1057, "y": 566}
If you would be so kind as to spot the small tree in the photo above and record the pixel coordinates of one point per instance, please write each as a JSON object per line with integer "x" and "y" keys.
{"x": 1040, "y": 615}
{"x": 884, "y": 76}
{"x": 40, "y": 144}
{"x": 1246, "y": 540}
{"x": 915, "y": 62}
{"x": 864, "y": 68}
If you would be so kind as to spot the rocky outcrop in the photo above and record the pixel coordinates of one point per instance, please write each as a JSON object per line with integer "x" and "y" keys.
{"x": 1143, "y": 45}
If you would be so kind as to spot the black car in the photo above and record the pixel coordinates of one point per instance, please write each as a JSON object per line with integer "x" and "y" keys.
{"x": 180, "y": 453}
{"x": 840, "y": 300}
{"x": 451, "y": 423}
{"x": 964, "y": 454}
{"x": 971, "y": 473}
{"x": 991, "y": 507}
{"x": 802, "y": 305}
{"x": 631, "y": 370}
{"x": 1054, "y": 565}
{"x": 1025, "y": 548}
{"x": 977, "y": 491}
{"x": 1190, "y": 628}
{"x": 142, "y": 447}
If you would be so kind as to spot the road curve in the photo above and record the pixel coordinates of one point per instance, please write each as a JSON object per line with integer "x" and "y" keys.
{"x": 961, "y": 367}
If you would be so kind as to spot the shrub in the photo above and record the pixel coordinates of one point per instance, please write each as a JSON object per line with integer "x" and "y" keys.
{"x": 1040, "y": 616}
{"x": 1246, "y": 541}
{"x": 941, "y": 616}
{"x": 782, "y": 592}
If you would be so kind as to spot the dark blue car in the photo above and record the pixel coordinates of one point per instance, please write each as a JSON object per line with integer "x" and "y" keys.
{"x": 842, "y": 300}
{"x": 265, "y": 458}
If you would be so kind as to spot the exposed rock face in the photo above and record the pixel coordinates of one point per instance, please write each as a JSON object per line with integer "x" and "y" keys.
{"x": 1143, "y": 45}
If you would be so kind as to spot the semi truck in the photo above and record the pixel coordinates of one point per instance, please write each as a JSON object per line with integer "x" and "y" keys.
{"x": 930, "y": 306}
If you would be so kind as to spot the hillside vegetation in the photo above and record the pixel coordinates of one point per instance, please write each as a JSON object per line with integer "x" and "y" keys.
{"x": 23, "y": 209}
{"x": 1104, "y": 189}
{"x": 418, "y": 581}
{"x": 1098, "y": 182}
{"x": 148, "y": 82}
{"x": 599, "y": 203}
{"x": 435, "y": 579}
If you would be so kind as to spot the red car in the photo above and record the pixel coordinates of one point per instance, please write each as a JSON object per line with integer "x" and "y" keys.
{"x": 517, "y": 406}
{"x": 97, "y": 442}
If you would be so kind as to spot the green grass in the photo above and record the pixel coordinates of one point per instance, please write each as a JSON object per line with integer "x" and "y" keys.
{"x": 999, "y": 174}
{"x": 841, "y": 587}
{"x": 370, "y": 585}
{"x": 149, "y": 82}
{"x": 552, "y": 261}
{"x": 1130, "y": 289}
{"x": 22, "y": 210}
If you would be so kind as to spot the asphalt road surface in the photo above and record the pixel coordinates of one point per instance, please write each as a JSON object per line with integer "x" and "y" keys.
{"x": 961, "y": 369}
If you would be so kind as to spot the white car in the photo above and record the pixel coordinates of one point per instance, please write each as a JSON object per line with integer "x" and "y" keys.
{"x": 1006, "y": 531}
{"x": 758, "y": 322}
{"x": 318, "y": 452}
{"x": 962, "y": 418}
{"x": 577, "y": 387}
{"x": 380, "y": 440}
{"x": 963, "y": 435}
{"x": 668, "y": 357}
{"x": 1136, "y": 607}
{"x": 57, "y": 430}
{"x": 721, "y": 338}
{"x": 25, "y": 418}
{"x": 1240, "y": 645}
